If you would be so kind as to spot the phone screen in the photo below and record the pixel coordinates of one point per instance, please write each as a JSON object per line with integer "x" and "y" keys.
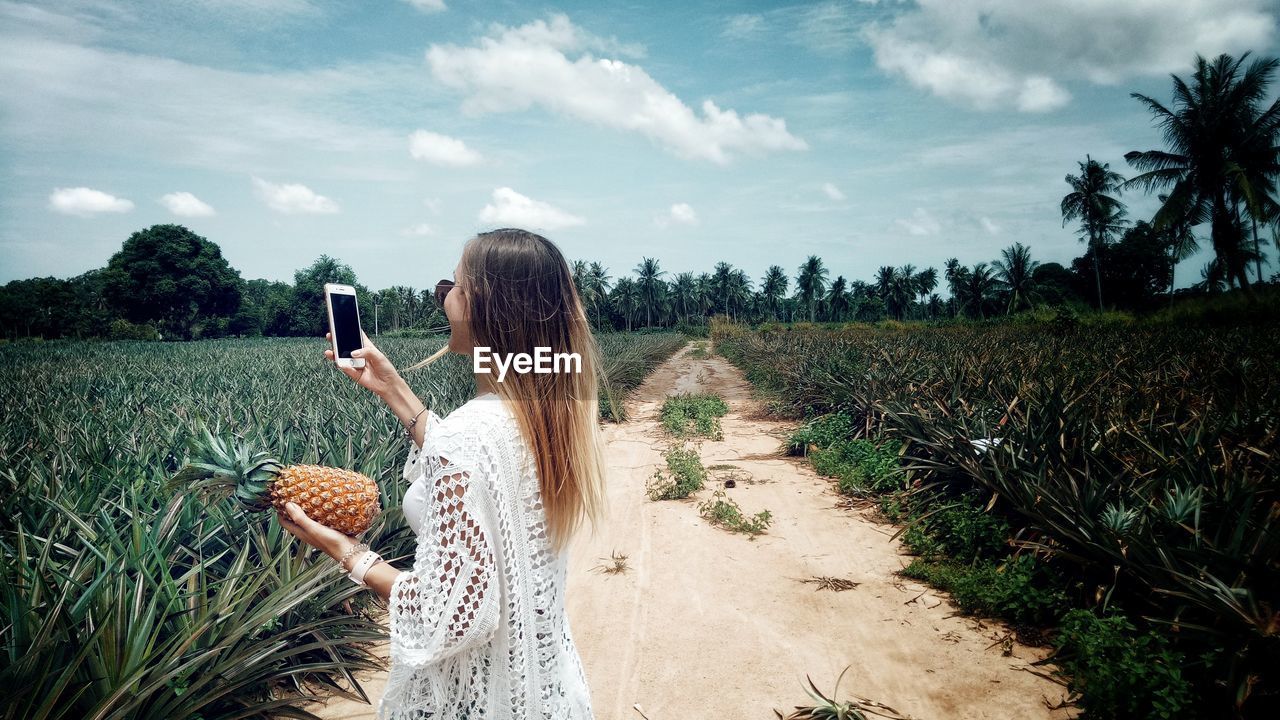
{"x": 346, "y": 323}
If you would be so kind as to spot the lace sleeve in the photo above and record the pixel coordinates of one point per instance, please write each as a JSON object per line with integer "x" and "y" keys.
{"x": 449, "y": 601}
{"x": 415, "y": 451}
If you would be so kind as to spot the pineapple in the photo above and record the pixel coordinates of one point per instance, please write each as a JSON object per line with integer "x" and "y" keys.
{"x": 345, "y": 500}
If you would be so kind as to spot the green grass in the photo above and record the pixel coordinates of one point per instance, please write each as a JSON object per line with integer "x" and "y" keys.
{"x": 694, "y": 415}
{"x": 722, "y": 511}
{"x": 685, "y": 476}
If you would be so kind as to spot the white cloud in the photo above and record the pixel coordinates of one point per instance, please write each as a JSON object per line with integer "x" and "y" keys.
{"x": 292, "y": 199}
{"x": 433, "y": 204}
{"x": 510, "y": 208}
{"x": 527, "y": 66}
{"x": 441, "y": 149}
{"x": 832, "y": 191}
{"x": 419, "y": 230}
{"x": 679, "y": 214}
{"x": 990, "y": 226}
{"x": 85, "y": 201}
{"x": 743, "y": 27}
{"x": 184, "y": 204}
{"x": 991, "y": 54}
{"x": 319, "y": 122}
{"x": 920, "y": 223}
{"x": 428, "y": 6}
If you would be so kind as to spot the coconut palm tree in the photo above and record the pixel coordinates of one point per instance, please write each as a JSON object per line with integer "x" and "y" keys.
{"x": 977, "y": 288}
{"x": 956, "y": 275}
{"x": 1182, "y": 244}
{"x": 1014, "y": 272}
{"x": 1212, "y": 278}
{"x": 1091, "y": 201}
{"x": 1221, "y": 150}
{"x": 683, "y": 294}
{"x": 597, "y": 284}
{"x": 811, "y": 282}
{"x": 837, "y": 300}
{"x": 739, "y": 292}
{"x": 627, "y": 300}
{"x": 704, "y": 292}
{"x": 648, "y": 282}
{"x": 772, "y": 288}
{"x": 925, "y": 281}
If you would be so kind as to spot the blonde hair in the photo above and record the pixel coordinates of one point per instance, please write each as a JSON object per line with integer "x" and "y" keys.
{"x": 521, "y": 296}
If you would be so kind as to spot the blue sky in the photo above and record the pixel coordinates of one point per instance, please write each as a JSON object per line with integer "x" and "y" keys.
{"x": 387, "y": 133}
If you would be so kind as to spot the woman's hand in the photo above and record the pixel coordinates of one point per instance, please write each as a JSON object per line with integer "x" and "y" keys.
{"x": 378, "y": 374}
{"x": 321, "y": 537}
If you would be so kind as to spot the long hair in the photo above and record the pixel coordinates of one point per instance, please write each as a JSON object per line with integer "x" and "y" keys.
{"x": 521, "y": 296}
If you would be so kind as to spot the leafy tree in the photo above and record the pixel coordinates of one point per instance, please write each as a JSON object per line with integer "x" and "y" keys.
{"x": 773, "y": 288}
{"x": 1091, "y": 201}
{"x": 649, "y": 283}
{"x": 811, "y": 282}
{"x": 172, "y": 277}
{"x": 308, "y": 314}
{"x": 1136, "y": 268}
{"x": 1221, "y": 155}
{"x": 1055, "y": 284}
{"x": 1015, "y": 273}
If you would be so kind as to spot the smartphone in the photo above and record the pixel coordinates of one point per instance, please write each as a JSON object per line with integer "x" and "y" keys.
{"x": 344, "y": 324}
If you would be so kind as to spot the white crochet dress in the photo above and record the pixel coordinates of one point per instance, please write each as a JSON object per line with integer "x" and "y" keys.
{"x": 478, "y": 628}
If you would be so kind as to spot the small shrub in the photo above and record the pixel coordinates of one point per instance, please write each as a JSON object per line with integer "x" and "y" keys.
{"x": 689, "y": 414}
{"x": 722, "y": 511}
{"x": 822, "y": 432}
{"x": 1019, "y": 589}
{"x": 1120, "y": 672}
{"x": 686, "y": 476}
{"x": 859, "y": 466}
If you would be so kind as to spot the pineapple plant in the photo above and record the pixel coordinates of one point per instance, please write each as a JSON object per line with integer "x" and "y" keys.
{"x": 344, "y": 500}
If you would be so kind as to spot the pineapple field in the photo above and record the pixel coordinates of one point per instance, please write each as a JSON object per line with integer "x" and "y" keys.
{"x": 1111, "y": 489}
{"x": 128, "y": 595}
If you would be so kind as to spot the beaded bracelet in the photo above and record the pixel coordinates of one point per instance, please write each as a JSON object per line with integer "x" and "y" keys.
{"x": 408, "y": 431}
{"x": 350, "y": 553}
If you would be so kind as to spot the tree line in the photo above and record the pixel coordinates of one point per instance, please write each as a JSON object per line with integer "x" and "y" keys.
{"x": 1218, "y": 169}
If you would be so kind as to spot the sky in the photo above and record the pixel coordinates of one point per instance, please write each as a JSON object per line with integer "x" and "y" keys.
{"x": 387, "y": 133}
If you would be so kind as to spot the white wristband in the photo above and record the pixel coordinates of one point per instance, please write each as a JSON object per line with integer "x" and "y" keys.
{"x": 366, "y": 561}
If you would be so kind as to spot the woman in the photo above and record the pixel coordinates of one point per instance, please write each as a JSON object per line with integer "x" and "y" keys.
{"x": 499, "y": 486}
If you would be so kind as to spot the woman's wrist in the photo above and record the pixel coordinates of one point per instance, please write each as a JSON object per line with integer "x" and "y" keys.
{"x": 403, "y": 402}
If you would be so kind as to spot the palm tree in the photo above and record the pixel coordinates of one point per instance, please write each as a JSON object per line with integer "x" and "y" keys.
{"x": 627, "y": 299}
{"x": 956, "y": 275}
{"x": 739, "y": 292}
{"x": 683, "y": 294}
{"x": 837, "y": 300}
{"x": 1181, "y": 242}
{"x": 810, "y": 283}
{"x": 720, "y": 280}
{"x": 1099, "y": 213}
{"x": 1221, "y": 150}
{"x": 597, "y": 284}
{"x": 977, "y": 289}
{"x": 1211, "y": 277}
{"x": 925, "y": 281}
{"x": 905, "y": 292}
{"x": 704, "y": 292}
{"x": 648, "y": 282}
{"x": 773, "y": 287}
{"x": 934, "y": 306}
{"x": 1014, "y": 273}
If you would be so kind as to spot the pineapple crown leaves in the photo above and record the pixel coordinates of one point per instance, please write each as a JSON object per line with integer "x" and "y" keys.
{"x": 216, "y": 465}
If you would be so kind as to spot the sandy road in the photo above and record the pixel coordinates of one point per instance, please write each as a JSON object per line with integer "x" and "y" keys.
{"x": 708, "y": 623}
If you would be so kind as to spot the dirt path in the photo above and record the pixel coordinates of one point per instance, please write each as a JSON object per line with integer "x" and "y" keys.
{"x": 708, "y": 623}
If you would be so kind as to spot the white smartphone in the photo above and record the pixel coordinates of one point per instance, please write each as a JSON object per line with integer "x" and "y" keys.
{"x": 344, "y": 324}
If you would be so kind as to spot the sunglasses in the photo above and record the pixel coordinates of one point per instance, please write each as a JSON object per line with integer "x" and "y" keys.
{"x": 442, "y": 291}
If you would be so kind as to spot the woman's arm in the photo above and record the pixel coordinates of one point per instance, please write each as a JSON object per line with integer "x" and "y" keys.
{"x": 406, "y": 406}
